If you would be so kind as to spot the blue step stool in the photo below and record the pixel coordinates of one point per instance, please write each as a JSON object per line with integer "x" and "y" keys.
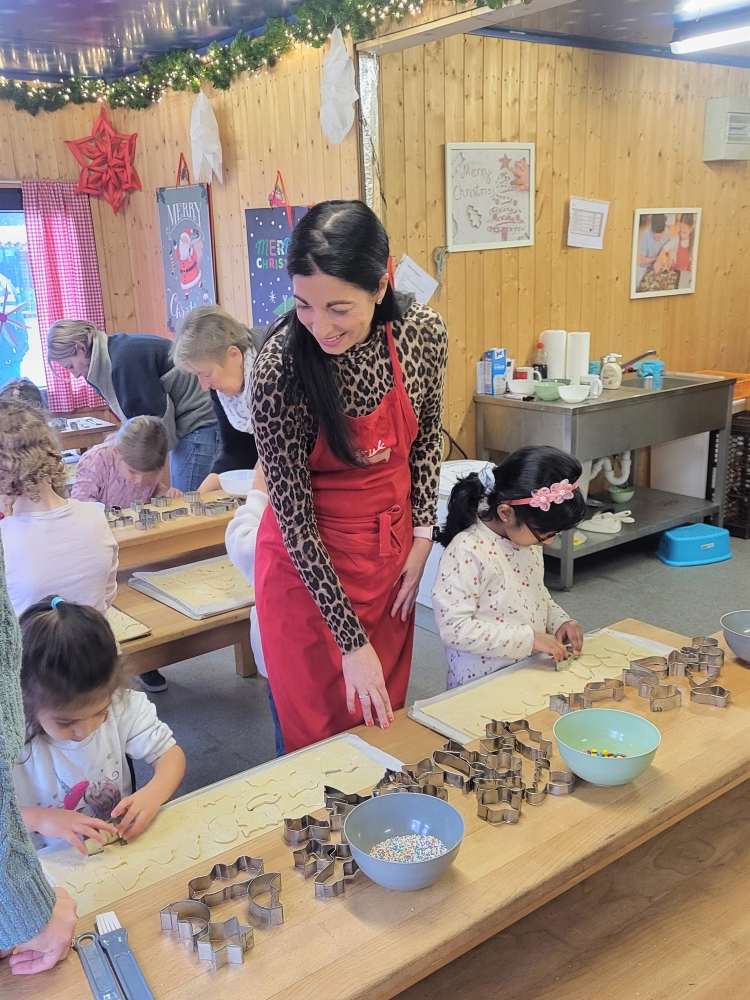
{"x": 694, "y": 545}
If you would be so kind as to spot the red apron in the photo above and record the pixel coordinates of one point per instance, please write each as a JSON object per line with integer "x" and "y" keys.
{"x": 364, "y": 519}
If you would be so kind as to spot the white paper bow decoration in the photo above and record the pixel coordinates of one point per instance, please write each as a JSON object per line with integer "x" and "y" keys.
{"x": 337, "y": 91}
{"x": 204, "y": 140}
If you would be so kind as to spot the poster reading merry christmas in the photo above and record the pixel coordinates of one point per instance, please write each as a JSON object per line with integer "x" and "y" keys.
{"x": 268, "y": 236}
{"x": 490, "y": 195}
{"x": 186, "y": 248}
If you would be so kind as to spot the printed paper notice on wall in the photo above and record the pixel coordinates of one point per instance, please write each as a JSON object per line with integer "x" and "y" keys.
{"x": 410, "y": 277}
{"x": 587, "y": 222}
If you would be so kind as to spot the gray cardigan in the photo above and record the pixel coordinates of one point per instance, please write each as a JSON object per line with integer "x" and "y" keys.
{"x": 26, "y": 899}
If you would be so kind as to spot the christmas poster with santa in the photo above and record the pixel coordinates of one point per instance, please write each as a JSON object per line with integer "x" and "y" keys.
{"x": 187, "y": 252}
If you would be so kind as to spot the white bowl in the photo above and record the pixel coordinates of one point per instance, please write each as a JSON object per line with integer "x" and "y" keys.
{"x": 521, "y": 386}
{"x": 573, "y": 393}
{"x": 237, "y": 483}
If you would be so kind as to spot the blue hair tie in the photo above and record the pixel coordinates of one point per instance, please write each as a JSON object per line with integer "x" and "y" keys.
{"x": 56, "y": 600}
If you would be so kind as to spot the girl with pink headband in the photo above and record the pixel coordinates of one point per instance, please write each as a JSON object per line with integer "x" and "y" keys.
{"x": 490, "y": 603}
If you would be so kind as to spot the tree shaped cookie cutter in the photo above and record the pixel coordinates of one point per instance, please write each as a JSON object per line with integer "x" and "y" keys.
{"x": 200, "y": 888}
{"x": 610, "y": 689}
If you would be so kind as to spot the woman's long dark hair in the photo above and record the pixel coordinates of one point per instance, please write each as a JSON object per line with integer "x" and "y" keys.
{"x": 523, "y": 471}
{"x": 345, "y": 240}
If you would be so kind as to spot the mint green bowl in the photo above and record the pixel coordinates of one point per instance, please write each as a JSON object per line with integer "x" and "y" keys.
{"x": 606, "y": 729}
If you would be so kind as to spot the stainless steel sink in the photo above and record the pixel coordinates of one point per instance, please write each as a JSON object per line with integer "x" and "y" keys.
{"x": 647, "y": 382}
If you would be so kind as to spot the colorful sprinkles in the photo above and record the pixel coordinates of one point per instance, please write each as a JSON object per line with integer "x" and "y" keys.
{"x": 410, "y": 848}
{"x": 604, "y": 753}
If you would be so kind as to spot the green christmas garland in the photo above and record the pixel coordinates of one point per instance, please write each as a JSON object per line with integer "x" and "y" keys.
{"x": 313, "y": 22}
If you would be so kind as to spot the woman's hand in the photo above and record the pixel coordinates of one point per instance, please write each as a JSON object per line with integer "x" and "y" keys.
{"x": 65, "y": 824}
{"x": 549, "y": 644}
{"x": 137, "y": 811}
{"x": 410, "y": 577}
{"x": 52, "y": 945}
{"x": 571, "y": 632}
{"x": 363, "y": 676}
{"x": 210, "y": 484}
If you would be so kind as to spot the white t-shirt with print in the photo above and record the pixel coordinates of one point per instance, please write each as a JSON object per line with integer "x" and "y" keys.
{"x": 91, "y": 776}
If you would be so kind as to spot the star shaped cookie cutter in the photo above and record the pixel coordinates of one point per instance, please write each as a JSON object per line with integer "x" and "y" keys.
{"x": 273, "y": 911}
{"x": 298, "y": 830}
{"x": 225, "y": 941}
{"x": 200, "y": 888}
{"x": 188, "y": 917}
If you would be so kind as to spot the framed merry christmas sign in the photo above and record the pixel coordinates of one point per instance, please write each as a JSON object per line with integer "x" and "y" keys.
{"x": 186, "y": 249}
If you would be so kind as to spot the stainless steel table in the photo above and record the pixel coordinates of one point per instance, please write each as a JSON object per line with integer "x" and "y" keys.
{"x": 626, "y": 419}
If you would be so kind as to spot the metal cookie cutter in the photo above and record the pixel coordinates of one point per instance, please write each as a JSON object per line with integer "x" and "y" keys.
{"x": 543, "y": 747}
{"x": 188, "y": 917}
{"x": 664, "y": 697}
{"x": 610, "y": 689}
{"x": 395, "y": 781}
{"x": 137, "y": 506}
{"x": 551, "y": 783}
{"x": 160, "y": 502}
{"x": 192, "y": 496}
{"x": 273, "y": 911}
{"x": 347, "y": 870}
{"x": 705, "y": 692}
{"x": 499, "y": 805}
{"x": 706, "y": 654}
{"x": 313, "y": 857}
{"x": 679, "y": 660}
{"x": 499, "y": 755}
{"x": 200, "y": 887}
{"x": 170, "y": 515}
{"x": 297, "y": 831}
{"x": 661, "y": 697}
{"x": 657, "y": 665}
{"x": 457, "y": 771}
{"x": 225, "y": 941}
{"x": 339, "y": 804}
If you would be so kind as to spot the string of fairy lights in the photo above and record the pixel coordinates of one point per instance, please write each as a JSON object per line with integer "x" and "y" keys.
{"x": 312, "y": 24}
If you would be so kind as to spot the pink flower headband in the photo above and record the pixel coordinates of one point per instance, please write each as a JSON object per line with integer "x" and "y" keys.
{"x": 547, "y": 495}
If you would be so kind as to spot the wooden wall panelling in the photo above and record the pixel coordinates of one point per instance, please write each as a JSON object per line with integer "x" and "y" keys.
{"x": 624, "y": 128}
{"x": 267, "y": 121}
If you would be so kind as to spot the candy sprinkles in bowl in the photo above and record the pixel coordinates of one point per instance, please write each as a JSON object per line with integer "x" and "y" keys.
{"x": 409, "y": 849}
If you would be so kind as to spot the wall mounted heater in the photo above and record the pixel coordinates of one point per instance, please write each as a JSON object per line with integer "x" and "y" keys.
{"x": 727, "y": 131}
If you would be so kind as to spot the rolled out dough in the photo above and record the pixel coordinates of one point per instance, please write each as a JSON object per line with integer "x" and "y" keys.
{"x": 125, "y": 627}
{"x": 203, "y": 826}
{"x": 526, "y": 691}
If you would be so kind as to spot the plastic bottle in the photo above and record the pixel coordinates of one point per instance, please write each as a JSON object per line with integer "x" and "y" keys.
{"x": 540, "y": 360}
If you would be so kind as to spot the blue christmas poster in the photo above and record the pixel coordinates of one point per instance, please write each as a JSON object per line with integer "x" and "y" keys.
{"x": 268, "y": 236}
{"x": 186, "y": 249}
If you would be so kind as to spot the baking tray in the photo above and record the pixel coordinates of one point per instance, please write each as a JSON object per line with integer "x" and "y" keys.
{"x": 417, "y": 712}
{"x": 151, "y": 584}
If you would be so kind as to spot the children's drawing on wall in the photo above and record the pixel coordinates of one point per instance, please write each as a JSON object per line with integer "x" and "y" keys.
{"x": 490, "y": 195}
{"x": 187, "y": 253}
{"x": 665, "y": 251}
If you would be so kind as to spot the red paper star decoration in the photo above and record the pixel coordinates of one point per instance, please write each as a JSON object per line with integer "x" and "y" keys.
{"x": 107, "y": 161}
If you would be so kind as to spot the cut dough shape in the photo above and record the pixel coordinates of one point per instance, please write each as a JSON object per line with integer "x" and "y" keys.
{"x": 197, "y": 829}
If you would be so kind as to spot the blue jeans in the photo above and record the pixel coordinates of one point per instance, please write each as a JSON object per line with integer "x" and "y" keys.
{"x": 278, "y": 735}
{"x": 191, "y": 460}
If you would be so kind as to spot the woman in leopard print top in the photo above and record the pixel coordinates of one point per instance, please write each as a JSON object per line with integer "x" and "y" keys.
{"x": 347, "y": 417}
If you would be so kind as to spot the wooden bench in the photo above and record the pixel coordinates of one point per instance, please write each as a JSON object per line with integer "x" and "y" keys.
{"x": 176, "y": 637}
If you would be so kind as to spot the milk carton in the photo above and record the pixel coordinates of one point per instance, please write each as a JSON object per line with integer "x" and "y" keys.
{"x": 495, "y": 371}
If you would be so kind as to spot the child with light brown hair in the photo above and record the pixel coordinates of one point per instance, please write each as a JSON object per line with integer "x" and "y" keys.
{"x": 51, "y": 544}
{"x": 127, "y": 466}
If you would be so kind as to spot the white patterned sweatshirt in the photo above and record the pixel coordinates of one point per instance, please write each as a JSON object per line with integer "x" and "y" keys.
{"x": 489, "y": 599}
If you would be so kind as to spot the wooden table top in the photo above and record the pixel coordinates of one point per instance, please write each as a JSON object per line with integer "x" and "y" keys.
{"x": 371, "y": 943}
{"x": 164, "y": 622}
{"x": 172, "y": 538}
{"x": 84, "y": 437}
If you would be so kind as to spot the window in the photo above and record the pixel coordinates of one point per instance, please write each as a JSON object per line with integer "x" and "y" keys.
{"x": 20, "y": 345}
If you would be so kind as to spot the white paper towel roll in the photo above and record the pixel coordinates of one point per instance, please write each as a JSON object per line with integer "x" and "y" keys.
{"x": 554, "y": 345}
{"x": 577, "y": 356}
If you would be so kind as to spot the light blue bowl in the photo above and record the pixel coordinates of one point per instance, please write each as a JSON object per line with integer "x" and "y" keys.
{"x": 398, "y": 814}
{"x": 736, "y": 627}
{"x": 606, "y": 729}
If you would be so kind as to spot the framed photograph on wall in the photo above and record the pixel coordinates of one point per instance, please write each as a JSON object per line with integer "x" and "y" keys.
{"x": 489, "y": 197}
{"x": 665, "y": 251}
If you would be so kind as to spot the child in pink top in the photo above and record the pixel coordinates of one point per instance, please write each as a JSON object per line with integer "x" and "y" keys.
{"x": 125, "y": 467}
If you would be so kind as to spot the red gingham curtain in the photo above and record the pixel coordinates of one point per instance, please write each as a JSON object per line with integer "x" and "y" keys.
{"x": 65, "y": 272}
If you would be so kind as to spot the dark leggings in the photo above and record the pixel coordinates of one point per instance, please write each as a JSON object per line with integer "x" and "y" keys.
{"x": 278, "y": 735}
